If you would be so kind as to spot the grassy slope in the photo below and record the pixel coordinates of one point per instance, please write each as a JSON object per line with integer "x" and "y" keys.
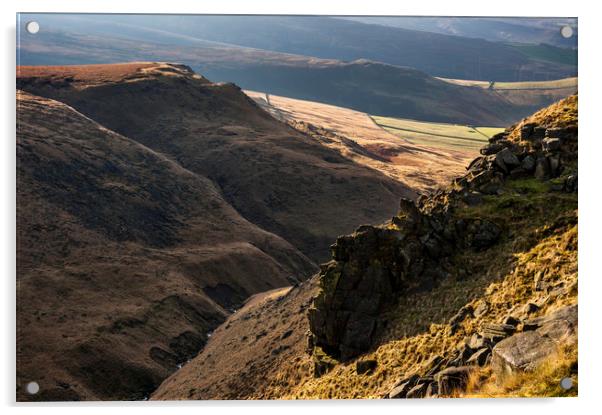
{"x": 503, "y": 278}
{"x": 548, "y": 53}
{"x": 119, "y": 254}
{"x": 356, "y": 136}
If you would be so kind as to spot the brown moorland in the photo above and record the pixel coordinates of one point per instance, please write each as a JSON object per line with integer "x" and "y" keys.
{"x": 151, "y": 203}
{"x": 275, "y": 176}
{"x": 125, "y": 259}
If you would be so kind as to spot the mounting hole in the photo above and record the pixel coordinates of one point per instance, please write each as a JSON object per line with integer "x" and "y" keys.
{"x": 32, "y": 27}
{"x": 566, "y": 31}
{"x": 32, "y": 388}
{"x": 566, "y": 383}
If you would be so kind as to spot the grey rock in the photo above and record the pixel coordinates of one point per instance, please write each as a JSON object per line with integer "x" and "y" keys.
{"x": 402, "y": 387}
{"x": 432, "y": 391}
{"x": 486, "y": 235}
{"x": 525, "y": 351}
{"x": 555, "y": 132}
{"x": 432, "y": 366}
{"x": 526, "y": 131}
{"x": 418, "y": 391}
{"x": 551, "y": 144}
{"x": 480, "y": 357}
{"x": 506, "y": 160}
{"x": 554, "y": 162}
{"x": 521, "y": 352}
{"x": 528, "y": 163}
{"x": 476, "y": 342}
{"x": 511, "y": 320}
{"x": 568, "y": 314}
{"x": 518, "y": 173}
{"x": 570, "y": 184}
{"x": 481, "y": 309}
{"x": 460, "y": 316}
{"x": 542, "y": 168}
{"x": 491, "y": 149}
{"x": 530, "y": 308}
{"x": 499, "y": 136}
{"x": 496, "y": 332}
{"x": 538, "y": 132}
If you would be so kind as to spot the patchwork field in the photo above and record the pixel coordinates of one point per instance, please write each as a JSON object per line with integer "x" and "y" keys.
{"x": 439, "y": 135}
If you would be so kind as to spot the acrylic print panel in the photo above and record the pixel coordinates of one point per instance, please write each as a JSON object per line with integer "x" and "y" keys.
{"x": 270, "y": 207}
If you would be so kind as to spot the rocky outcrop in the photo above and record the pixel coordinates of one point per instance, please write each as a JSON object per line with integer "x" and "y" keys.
{"x": 374, "y": 266}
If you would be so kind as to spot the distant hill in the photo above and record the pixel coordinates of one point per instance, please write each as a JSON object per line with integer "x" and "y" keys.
{"x": 371, "y": 87}
{"x": 325, "y": 37}
{"x": 523, "y": 30}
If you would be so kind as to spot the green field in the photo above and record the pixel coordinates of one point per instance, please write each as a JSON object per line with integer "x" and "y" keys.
{"x": 450, "y": 136}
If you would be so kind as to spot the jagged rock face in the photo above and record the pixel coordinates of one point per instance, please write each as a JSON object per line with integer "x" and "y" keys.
{"x": 374, "y": 266}
{"x": 372, "y": 261}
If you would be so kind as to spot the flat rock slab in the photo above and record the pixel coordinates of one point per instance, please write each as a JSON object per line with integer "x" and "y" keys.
{"x": 525, "y": 351}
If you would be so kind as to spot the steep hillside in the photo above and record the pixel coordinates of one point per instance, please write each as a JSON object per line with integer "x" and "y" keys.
{"x": 273, "y": 175}
{"x": 471, "y": 291}
{"x": 125, "y": 259}
{"x": 369, "y": 86}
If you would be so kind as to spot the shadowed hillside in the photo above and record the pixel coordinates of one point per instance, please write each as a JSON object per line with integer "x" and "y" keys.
{"x": 151, "y": 203}
{"x": 274, "y": 176}
{"x": 125, "y": 259}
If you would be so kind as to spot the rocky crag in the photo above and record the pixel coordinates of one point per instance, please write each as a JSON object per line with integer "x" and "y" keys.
{"x": 521, "y": 191}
